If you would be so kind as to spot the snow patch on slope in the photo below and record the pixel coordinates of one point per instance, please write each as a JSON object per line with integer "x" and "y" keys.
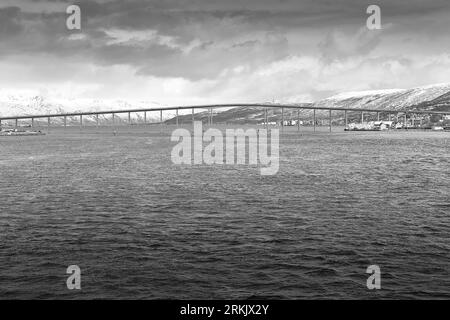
{"x": 385, "y": 99}
{"x": 32, "y": 103}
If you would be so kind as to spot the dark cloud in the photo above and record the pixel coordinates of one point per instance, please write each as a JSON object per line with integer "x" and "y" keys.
{"x": 201, "y": 62}
{"x": 199, "y": 39}
{"x": 344, "y": 47}
{"x": 10, "y": 22}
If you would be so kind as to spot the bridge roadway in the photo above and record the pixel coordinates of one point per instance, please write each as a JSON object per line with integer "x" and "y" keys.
{"x": 216, "y": 106}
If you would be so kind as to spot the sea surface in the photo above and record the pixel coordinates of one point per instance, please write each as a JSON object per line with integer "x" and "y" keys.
{"x": 141, "y": 227}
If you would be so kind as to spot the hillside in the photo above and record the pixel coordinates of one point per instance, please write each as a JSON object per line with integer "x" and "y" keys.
{"x": 397, "y": 99}
{"x": 441, "y": 103}
{"x": 240, "y": 115}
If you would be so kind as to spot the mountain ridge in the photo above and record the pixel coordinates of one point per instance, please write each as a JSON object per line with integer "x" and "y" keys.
{"x": 430, "y": 98}
{"x": 394, "y": 99}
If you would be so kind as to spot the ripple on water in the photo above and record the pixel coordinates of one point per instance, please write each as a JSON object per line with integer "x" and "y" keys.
{"x": 141, "y": 227}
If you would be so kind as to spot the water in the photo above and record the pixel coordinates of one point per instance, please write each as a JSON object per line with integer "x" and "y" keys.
{"x": 140, "y": 227}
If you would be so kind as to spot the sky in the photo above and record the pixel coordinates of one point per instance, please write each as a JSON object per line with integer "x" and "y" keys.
{"x": 182, "y": 52}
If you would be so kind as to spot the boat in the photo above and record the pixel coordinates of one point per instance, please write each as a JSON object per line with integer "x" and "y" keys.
{"x": 437, "y": 128}
{"x": 17, "y": 132}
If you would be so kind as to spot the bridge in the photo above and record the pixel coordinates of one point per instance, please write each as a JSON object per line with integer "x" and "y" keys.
{"x": 405, "y": 113}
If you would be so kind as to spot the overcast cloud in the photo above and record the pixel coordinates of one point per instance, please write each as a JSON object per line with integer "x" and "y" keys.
{"x": 183, "y": 52}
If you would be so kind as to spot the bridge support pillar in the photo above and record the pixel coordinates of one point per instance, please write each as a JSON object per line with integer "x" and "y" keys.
{"x": 282, "y": 118}
{"x": 17, "y": 123}
{"x": 81, "y": 121}
{"x": 345, "y": 118}
{"x": 160, "y": 119}
{"x": 65, "y": 122}
{"x": 193, "y": 117}
{"x": 129, "y": 118}
{"x": 378, "y": 116}
{"x": 113, "y": 119}
{"x": 177, "y": 117}
{"x": 210, "y": 116}
{"x": 362, "y": 117}
{"x": 330, "y": 119}
{"x": 266, "y": 118}
{"x": 314, "y": 119}
{"x": 406, "y": 121}
{"x": 96, "y": 120}
{"x": 32, "y": 122}
{"x": 298, "y": 119}
{"x": 48, "y": 121}
{"x": 145, "y": 117}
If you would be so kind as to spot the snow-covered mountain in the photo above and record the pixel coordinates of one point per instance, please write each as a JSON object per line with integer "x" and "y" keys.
{"x": 397, "y": 99}
{"x": 30, "y": 103}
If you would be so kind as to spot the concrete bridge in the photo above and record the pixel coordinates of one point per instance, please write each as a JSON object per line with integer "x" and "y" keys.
{"x": 389, "y": 112}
